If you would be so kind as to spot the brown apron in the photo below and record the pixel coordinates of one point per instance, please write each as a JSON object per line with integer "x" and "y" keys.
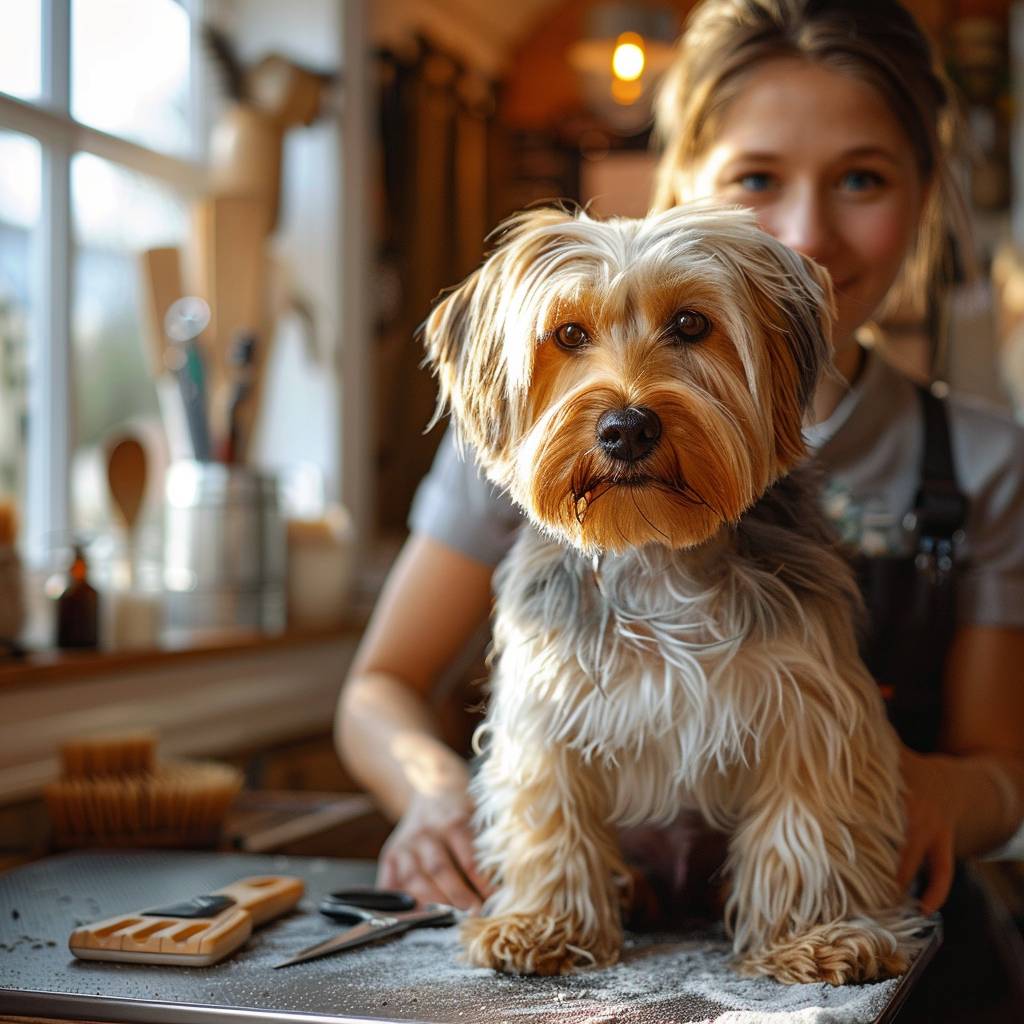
{"x": 912, "y": 615}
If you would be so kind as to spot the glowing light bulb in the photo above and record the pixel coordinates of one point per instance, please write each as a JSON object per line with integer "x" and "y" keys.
{"x": 628, "y": 58}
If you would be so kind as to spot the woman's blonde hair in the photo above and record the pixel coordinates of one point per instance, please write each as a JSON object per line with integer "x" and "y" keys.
{"x": 880, "y": 43}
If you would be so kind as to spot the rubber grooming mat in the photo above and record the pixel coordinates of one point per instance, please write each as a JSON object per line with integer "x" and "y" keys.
{"x": 660, "y": 979}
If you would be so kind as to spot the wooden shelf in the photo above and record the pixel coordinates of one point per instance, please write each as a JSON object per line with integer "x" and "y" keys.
{"x": 59, "y": 666}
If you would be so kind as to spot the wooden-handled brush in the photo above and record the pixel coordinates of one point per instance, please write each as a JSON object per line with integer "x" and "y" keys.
{"x": 195, "y": 933}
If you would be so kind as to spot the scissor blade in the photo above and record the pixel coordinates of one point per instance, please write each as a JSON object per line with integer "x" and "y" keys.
{"x": 360, "y": 934}
{"x": 355, "y": 936}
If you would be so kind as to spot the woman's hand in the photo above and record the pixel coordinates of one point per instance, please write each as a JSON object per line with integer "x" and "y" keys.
{"x": 931, "y": 826}
{"x": 430, "y": 853}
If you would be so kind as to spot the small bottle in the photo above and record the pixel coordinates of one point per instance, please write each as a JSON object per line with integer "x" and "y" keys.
{"x": 78, "y": 607}
{"x": 12, "y": 601}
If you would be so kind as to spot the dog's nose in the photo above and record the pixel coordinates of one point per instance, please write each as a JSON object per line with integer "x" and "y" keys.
{"x": 628, "y": 434}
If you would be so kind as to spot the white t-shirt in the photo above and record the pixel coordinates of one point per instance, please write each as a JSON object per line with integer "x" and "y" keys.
{"x": 869, "y": 453}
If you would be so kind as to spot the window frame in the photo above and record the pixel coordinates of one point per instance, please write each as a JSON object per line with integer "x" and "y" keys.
{"x": 46, "y": 501}
{"x": 46, "y": 504}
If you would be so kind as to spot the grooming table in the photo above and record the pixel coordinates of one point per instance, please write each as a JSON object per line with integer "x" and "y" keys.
{"x": 417, "y": 977}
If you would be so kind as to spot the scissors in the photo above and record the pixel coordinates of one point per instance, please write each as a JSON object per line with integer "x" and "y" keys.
{"x": 377, "y": 913}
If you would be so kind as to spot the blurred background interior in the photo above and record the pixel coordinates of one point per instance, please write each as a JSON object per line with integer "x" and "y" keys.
{"x": 220, "y": 224}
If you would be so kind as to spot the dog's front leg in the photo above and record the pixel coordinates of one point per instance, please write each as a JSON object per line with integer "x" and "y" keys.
{"x": 814, "y": 894}
{"x": 546, "y": 842}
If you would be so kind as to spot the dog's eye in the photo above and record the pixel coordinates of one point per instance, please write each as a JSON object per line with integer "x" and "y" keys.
{"x": 689, "y": 325}
{"x": 571, "y": 336}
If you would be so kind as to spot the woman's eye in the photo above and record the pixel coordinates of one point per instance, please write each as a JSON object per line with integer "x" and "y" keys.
{"x": 860, "y": 181}
{"x": 755, "y": 182}
{"x": 688, "y": 325}
{"x": 571, "y": 336}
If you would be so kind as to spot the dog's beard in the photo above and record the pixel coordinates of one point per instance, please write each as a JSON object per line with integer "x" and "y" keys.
{"x": 705, "y": 471}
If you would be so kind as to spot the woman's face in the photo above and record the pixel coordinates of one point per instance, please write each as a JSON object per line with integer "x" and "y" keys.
{"x": 828, "y": 170}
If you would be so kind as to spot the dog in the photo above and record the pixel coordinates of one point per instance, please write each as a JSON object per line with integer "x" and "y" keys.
{"x": 674, "y": 629}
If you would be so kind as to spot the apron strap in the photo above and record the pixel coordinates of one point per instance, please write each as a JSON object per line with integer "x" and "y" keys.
{"x": 940, "y": 508}
{"x": 911, "y": 599}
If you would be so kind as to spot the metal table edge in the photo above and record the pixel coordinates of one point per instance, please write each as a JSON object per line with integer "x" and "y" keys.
{"x": 58, "y": 1007}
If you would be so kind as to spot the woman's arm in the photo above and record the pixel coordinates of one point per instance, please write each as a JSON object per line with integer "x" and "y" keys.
{"x": 386, "y": 735}
{"x": 969, "y": 799}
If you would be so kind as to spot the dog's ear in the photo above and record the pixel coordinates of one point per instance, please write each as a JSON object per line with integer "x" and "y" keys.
{"x": 480, "y": 337}
{"x": 810, "y": 309}
{"x": 801, "y": 345}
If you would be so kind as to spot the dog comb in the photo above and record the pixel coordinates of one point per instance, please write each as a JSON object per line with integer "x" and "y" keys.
{"x": 196, "y": 933}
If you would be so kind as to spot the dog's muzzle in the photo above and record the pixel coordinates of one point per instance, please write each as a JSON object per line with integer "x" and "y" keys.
{"x": 628, "y": 434}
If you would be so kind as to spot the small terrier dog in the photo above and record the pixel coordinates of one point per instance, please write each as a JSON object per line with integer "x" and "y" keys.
{"x": 676, "y": 629}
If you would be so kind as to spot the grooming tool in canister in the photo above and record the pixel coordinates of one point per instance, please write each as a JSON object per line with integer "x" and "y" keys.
{"x": 184, "y": 323}
{"x": 198, "y": 932}
{"x": 379, "y": 912}
{"x": 242, "y": 373}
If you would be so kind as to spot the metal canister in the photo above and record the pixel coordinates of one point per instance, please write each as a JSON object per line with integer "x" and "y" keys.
{"x": 224, "y": 552}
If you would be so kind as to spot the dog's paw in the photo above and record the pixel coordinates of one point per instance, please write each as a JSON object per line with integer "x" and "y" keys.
{"x": 535, "y": 944}
{"x": 834, "y": 953}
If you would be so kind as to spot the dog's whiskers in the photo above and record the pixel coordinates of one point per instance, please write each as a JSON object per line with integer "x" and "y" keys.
{"x": 646, "y": 518}
{"x": 679, "y": 487}
{"x": 585, "y": 490}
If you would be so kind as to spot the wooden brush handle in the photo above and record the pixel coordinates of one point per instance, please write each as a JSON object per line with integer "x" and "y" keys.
{"x": 264, "y": 896}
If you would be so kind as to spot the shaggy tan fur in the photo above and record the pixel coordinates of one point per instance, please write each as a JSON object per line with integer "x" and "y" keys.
{"x": 673, "y": 631}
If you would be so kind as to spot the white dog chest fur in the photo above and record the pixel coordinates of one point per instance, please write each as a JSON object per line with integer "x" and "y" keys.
{"x": 627, "y": 659}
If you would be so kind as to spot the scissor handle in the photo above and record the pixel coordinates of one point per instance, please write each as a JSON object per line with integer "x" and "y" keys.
{"x": 338, "y": 904}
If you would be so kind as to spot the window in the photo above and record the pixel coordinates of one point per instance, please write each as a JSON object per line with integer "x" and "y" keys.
{"x": 99, "y": 155}
{"x": 130, "y": 70}
{"x": 20, "y": 172}
{"x": 21, "y": 51}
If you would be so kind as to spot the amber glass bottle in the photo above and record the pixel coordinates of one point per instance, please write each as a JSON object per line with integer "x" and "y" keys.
{"x": 78, "y": 607}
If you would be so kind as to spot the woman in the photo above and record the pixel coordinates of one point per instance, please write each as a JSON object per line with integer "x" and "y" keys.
{"x": 834, "y": 123}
